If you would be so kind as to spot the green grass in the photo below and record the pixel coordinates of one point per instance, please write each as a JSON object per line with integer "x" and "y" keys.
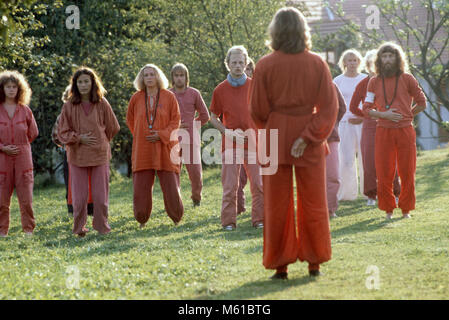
{"x": 197, "y": 260}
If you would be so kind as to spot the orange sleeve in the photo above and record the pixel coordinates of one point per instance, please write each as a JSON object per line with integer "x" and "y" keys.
{"x": 259, "y": 107}
{"x": 130, "y": 114}
{"x": 368, "y": 105}
{"x": 215, "y": 105}
{"x": 33, "y": 131}
{"x": 416, "y": 92}
{"x": 174, "y": 122}
{"x": 323, "y": 121}
{"x": 357, "y": 97}
{"x": 66, "y": 133}
{"x": 111, "y": 124}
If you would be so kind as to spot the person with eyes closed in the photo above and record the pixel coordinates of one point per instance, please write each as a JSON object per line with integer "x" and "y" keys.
{"x": 86, "y": 127}
{"x": 153, "y": 117}
{"x": 395, "y": 98}
{"x": 230, "y": 100}
{"x": 18, "y": 129}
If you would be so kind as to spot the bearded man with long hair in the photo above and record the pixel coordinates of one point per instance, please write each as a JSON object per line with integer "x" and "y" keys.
{"x": 395, "y": 97}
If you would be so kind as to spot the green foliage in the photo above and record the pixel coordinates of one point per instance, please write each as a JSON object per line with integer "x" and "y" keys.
{"x": 116, "y": 38}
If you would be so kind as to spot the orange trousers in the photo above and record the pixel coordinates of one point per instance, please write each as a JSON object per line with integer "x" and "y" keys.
{"x": 143, "y": 182}
{"x": 396, "y": 145}
{"x": 307, "y": 239}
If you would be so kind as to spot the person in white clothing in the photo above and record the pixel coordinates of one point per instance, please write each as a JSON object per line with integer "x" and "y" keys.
{"x": 350, "y": 128}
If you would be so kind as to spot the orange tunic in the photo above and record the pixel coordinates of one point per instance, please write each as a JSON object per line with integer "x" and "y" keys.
{"x": 308, "y": 111}
{"x": 100, "y": 121}
{"x": 153, "y": 155}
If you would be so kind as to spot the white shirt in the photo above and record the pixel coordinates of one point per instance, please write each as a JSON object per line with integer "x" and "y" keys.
{"x": 347, "y": 87}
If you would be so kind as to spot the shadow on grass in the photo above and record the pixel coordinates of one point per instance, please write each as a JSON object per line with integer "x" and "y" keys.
{"x": 362, "y": 226}
{"x": 125, "y": 230}
{"x": 348, "y": 208}
{"x": 260, "y": 288}
{"x": 433, "y": 177}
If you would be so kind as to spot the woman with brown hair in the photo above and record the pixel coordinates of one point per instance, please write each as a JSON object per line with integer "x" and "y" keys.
{"x": 293, "y": 93}
{"x": 153, "y": 118}
{"x": 86, "y": 127}
{"x": 17, "y": 130}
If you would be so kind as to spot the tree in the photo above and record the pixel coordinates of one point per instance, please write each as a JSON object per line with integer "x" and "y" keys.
{"x": 425, "y": 40}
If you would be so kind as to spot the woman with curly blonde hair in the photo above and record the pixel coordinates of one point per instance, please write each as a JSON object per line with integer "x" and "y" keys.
{"x": 17, "y": 130}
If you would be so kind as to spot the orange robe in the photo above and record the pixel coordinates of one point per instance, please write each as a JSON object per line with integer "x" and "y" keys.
{"x": 294, "y": 94}
{"x": 156, "y": 155}
{"x": 153, "y": 158}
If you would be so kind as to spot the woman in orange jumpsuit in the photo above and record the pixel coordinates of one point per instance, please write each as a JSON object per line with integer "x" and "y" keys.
{"x": 17, "y": 130}
{"x": 293, "y": 93}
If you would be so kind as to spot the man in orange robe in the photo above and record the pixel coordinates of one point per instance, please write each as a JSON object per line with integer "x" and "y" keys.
{"x": 293, "y": 93}
{"x": 390, "y": 96}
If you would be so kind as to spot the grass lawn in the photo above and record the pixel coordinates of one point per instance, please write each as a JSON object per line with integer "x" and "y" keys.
{"x": 197, "y": 260}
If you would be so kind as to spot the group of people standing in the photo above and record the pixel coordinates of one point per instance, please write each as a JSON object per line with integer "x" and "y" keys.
{"x": 289, "y": 90}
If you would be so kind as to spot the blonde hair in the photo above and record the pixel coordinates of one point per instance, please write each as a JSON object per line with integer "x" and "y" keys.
{"x": 289, "y": 31}
{"x": 24, "y": 91}
{"x": 345, "y": 54}
{"x": 236, "y": 49}
{"x": 369, "y": 61}
{"x": 161, "y": 79}
{"x": 179, "y": 67}
{"x": 66, "y": 93}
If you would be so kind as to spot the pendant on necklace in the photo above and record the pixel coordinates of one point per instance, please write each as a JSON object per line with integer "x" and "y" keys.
{"x": 150, "y": 126}
{"x": 387, "y": 107}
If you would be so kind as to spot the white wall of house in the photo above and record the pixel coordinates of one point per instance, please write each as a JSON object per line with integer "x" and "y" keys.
{"x": 429, "y": 131}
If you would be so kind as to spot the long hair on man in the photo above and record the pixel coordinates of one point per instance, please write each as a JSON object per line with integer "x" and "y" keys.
{"x": 401, "y": 59}
{"x": 24, "y": 91}
{"x": 289, "y": 31}
{"x": 97, "y": 91}
{"x": 179, "y": 67}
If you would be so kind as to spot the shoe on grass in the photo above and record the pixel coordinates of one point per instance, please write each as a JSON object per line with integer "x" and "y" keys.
{"x": 279, "y": 276}
{"x": 333, "y": 215}
{"x": 229, "y": 227}
{"x": 389, "y": 216}
{"x": 259, "y": 225}
{"x": 371, "y": 202}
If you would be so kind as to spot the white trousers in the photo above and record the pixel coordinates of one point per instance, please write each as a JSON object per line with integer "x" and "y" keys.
{"x": 350, "y": 152}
